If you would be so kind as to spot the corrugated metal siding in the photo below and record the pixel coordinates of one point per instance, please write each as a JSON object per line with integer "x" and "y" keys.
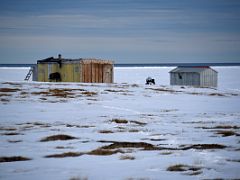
{"x": 190, "y": 79}
{"x": 209, "y": 78}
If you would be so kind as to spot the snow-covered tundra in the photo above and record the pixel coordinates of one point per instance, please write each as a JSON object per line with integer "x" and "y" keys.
{"x": 125, "y": 130}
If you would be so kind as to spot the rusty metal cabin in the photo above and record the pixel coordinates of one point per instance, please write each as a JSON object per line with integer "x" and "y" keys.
{"x": 199, "y": 76}
{"x": 73, "y": 70}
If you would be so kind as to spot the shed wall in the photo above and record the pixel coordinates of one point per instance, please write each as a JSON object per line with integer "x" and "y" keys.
{"x": 209, "y": 78}
{"x": 189, "y": 79}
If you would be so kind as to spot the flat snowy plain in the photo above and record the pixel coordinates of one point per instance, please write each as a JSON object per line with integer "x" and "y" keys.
{"x": 125, "y": 130}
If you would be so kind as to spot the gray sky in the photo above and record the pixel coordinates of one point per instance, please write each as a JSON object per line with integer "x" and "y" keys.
{"x": 126, "y": 31}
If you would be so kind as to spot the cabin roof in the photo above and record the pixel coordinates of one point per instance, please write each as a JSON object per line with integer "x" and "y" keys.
{"x": 80, "y": 60}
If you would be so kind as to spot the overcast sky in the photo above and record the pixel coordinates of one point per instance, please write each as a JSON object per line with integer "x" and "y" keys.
{"x": 126, "y": 31}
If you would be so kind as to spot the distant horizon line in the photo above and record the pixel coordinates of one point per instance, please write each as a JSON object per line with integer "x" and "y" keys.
{"x": 138, "y": 64}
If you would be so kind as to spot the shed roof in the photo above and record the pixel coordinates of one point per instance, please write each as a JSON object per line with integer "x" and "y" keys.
{"x": 190, "y": 69}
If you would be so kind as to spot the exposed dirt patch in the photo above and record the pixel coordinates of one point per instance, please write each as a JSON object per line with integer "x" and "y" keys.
{"x": 116, "y": 91}
{"x": 12, "y": 83}
{"x": 142, "y": 145}
{"x": 9, "y": 89}
{"x": 64, "y": 147}
{"x": 8, "y": 129}
{"x": 2, "y": 95}
{"x": 61, "y": 137}
{"x": 139, "y": 123}
{"x": 120, "y": 121}
{"x": 199, "y": 122}
{"x": 124, "y": 121}
{"x": 79, "y": 178}
{"x": 105, "y": 131}
{"x": 13, "y": 158}
{"x": 190, "y": 170}
{"x": 14, "y": 141}
{"x": 164, "y": 90}
{"x": 216, "y": 94}
{"x": 154, "y": 139}
{"x": 12, "y": 134}
{"x": 166, "y": 153}
{"x": 4, "y": 100}
{"x": 234, "y": 160}
{"x": 202, "y": 146}
{"x": 103, "y": 152}
{"x": 133, "y": 130}
{"x": 221, "y": 127}
{"x": 168, "y": 110}
{"x": 126, "y": 157}
{"x": 64, "y": 155}
{"x": 96, "y": 152}
{"x": 60, "y": 93}
{"x": 89, "y": 93}
{"x": 79, "y": 126}
{"x": 227, "y": 133}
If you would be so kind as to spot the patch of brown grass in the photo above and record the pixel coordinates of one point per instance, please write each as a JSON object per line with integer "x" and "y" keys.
{"x": 43, "y": 99}
{"x": 221, "y": 127}
{"x": 142, "y": 145}
{"x": 63, "y": 93}
{"x": 164, "y": 90}
{"x": 139, "y": 123}
{"x": 14, "y": 141}
{"x": 78, "y": 178}
{"x": 64, "y": 147}
{"x": 4, "y": 100}
{"x": 127, "y": 157}
{"x": 13, "y": 158}
{"x": 193, "y": 170}
{"x": 89, "y": 93}
{"x": 40, "y": 93}
{"x": 7, "y": 129}
{"x": 216, "y": 94}
{"x": 226, "y": 133}
{"x": 157, "y": 139}
{"x": 133, "y": 130}
{"x": 79, "y": 126}
{"x": 12, "y": 134}
{"x": 61, "y": 137}
{"x": 203, "y": 146}
{"x": 166, "y": 153}
{"x": 63, "y": 155}
{"x": 234, "y": 160}
{"x": 116, "y": 91}
{"x": 103, "y": 152}
{"x": 105, "y": 131}
{"x": 120, "y": 121}
{"x": 1, "y": 95}
{"x": 9, "y": 89}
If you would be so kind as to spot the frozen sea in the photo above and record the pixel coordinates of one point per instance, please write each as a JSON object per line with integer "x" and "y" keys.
{"x": 125, "y": 130}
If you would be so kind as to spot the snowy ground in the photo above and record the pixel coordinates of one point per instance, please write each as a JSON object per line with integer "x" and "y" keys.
{"x": 125, "y": 130}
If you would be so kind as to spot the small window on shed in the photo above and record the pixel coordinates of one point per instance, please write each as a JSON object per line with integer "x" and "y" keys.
{"x": 179, "y": 76}
{"x": 76, "y": 69}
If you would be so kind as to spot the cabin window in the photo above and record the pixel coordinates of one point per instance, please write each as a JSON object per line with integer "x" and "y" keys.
{"x": 76, "y": 69}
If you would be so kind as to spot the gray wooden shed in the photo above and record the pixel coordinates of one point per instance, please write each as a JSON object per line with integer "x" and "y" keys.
{"x": 199, "y": 76}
